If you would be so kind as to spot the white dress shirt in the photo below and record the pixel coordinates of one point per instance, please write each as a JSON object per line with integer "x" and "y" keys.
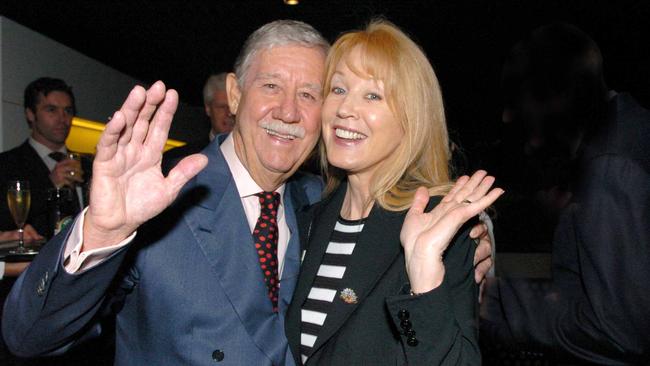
{"x": 75, "y": 261}
{"x": 44, "y": 153}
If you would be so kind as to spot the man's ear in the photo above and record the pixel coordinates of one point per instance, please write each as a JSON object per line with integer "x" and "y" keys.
{"x": 29, "y": 114}
{"x": 234, "y": 93}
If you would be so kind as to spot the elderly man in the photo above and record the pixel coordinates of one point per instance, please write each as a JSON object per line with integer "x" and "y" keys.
{"x": 195, "y": 286}
{"x": 193, "y": 292}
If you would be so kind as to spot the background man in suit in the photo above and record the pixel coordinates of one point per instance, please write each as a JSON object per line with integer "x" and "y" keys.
{"x": 595, "y": 308}
{"x": 41, "y": 159}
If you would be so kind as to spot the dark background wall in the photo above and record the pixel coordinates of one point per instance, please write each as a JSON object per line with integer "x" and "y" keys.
{"x": 181, "y": 42}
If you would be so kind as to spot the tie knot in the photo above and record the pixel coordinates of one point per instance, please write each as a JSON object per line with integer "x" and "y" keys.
{"x": 56, "y": 155}
{"x": 269, "y": 201}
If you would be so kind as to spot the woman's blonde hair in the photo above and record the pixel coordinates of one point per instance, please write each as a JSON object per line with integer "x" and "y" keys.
{"x": 413, "y": 95}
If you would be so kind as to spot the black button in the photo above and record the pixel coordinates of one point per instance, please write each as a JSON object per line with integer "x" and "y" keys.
{"x": 412, "y": 341}
{"x": 403, "y": 314}
{"x": 218, "y": 355}
{"x": 405, "y": 324}
{"x": 409, "y": 333}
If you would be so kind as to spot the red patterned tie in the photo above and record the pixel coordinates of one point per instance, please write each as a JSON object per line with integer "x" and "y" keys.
{"x": 265, "y": 236}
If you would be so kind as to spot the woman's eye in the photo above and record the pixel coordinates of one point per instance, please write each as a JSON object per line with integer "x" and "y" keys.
{"x": 373, "y": 96}
{"x": 337, "y": 90}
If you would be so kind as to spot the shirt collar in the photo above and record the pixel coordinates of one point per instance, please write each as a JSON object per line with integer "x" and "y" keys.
{"x": 44, "y": 151}
{"x": 243, "y": 180}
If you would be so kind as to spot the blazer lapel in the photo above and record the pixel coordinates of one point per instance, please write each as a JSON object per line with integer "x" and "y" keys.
{"x": 376, "y": 249}
{"x": 321, "y": 228}
{"x": 220, "y": 227}
{"x": 293, "y": 200}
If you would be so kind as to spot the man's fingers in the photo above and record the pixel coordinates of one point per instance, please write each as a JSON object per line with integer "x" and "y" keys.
{"x": 481, "y": 269}
{"x": 185, "y": 170}
{"x": 107, "y": 144}
{"x": 133, "y": 103}
{"x": 481, "y": 289}
{"x": 131, "y": 109}
{"x": 478, "y": 230}
{"x": 483, "y": 251}
{"x": 155, "y": 96}
{"x": 140, "y": 129}
{"x": 420, "y": 200}
{"x": 159, "y": 127}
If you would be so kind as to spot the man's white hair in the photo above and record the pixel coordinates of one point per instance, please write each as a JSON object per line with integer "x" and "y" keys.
{"x": 277, "y": 33}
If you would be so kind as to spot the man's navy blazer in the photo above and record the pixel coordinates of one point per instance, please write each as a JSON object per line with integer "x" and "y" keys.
{"x": 187, "y": 291}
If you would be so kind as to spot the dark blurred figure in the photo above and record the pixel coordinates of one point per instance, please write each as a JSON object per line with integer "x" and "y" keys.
{"x": 593, "y": 147}
{"x": 42, "y": 159}
{"x": 215, "y": 102}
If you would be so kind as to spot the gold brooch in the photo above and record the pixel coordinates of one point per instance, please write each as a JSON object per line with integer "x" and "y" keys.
{"x": 348, "y": 295}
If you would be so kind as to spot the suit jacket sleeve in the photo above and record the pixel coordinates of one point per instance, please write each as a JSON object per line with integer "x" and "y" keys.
{"x": 444, "y": 319}
{"x": 49, "y": 310}
{"x": 597, "y": 307}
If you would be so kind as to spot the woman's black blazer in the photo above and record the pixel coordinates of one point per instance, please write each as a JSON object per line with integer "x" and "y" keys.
{"x": 386, "y": 325}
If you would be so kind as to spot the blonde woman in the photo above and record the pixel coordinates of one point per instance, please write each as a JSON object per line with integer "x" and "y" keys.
{"x": 362, "y": 298}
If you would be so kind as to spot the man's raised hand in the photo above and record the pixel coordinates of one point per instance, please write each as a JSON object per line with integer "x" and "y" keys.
{"x": 128, "y": 187}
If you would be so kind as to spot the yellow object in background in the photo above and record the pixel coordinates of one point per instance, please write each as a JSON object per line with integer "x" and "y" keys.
{"x": 84, "y": 136}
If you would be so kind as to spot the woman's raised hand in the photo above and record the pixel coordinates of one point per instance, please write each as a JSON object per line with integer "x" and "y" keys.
{"x": 425, "y": 236}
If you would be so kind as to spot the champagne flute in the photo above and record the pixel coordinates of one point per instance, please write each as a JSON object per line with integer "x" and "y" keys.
{"x": 18, "y": 200}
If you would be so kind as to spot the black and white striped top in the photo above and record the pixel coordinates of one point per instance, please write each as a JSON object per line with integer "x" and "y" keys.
{"x": 327, "y": 282}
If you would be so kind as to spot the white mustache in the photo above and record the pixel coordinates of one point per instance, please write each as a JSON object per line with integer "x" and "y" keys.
{"x": 283, "y": 128}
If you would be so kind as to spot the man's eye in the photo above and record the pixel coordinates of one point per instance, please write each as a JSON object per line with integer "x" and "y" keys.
{"x": 69, "y": 110}
{"x": 270, "y": 86}
{"x": 307, "y": 96}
